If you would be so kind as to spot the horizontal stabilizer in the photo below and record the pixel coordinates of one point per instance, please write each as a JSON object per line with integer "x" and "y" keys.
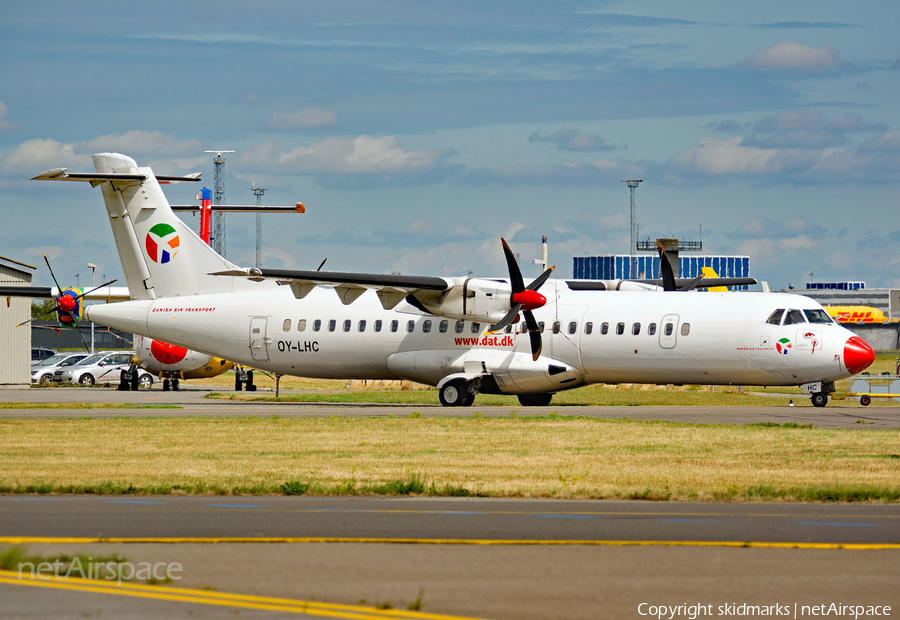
{"x": 106, "y": 293}
{"x": 298, "y": 208}
{"x": 680, "y": 283}
{"x": 96, "y": 178}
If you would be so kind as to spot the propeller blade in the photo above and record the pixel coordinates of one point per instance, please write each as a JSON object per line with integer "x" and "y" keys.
{"x": 37, "y": 318}
{"x": 86, "y": 347}
{"x": 692, "y": 284}
{"x": 515, "y": 276}
{"x": 534, "y": 332}
{"x": 665, "y": 269}
{"x": 506, "y": 320}
{"x": 58, "y": 287}
{"x": 322, "y": 264}
{"x": 539, "y": 281}
{"x": 96, "y": 289}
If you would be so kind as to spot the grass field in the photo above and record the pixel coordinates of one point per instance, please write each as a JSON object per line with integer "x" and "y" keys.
{"x": 523, "y": 457}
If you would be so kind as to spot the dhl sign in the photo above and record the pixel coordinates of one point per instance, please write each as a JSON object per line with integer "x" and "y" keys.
{"x": 855, "y": 314}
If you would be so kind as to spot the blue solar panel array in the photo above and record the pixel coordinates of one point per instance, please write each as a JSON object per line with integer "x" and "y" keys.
{"x": 647, "y": 266}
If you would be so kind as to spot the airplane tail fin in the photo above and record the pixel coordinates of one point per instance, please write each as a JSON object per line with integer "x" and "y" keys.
{"x": 161, "y": 256}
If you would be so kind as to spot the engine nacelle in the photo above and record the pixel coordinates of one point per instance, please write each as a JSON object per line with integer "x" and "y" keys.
{"x": 471, "y": 299}
{"x": 160, "y": 357}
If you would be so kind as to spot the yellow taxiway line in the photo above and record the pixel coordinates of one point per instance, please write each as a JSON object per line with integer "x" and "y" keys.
{"x": 221, "y": 599}
{"x": 20, "y": 540}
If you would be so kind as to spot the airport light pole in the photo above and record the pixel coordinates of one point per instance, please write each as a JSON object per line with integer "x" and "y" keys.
{"x": 92, "y": 267}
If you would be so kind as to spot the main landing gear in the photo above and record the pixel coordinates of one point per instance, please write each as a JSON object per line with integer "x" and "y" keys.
{"x": 457, "y": 393}
{"x": 170, "y": 384}
{"x": 819, "y": 399}
{"x": 243, "y": 379}
{"x": 130, "y": 379}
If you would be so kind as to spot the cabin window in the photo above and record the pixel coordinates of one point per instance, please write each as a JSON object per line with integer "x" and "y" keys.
{"x": 670, "y": 327}
{"x": 588, "y": 328}
{"x": 817, "y": 316}
{"x": 775, "y": 317}
{"x": 410, "y": 326}
{"x": 685, "y": 329}
{"x": 635, "y": 329}
{"x": 794, "y": 316}
{"x": 426, "y": 326}
{"x": 317, "y": 325}
{"x": 287, "y": 325}
{"x": 395, "y": 324}
{"x": 620, "y": 329}
{"x": 443, "y": 326}
{"x": 378, "y": 325}
{"x": 555, "y": 327}
{"x": 301, "y": 325}
{"x": 476, "y": 328}
{"x": 573, "y": 327}
{"x": 362, "y": 325}
{"x": 347, "y": 324}
{"x": 331, "y": 325}
{"x": 604, "y": 329}
{"x": 541, "y": 326}
{"x": 651, "y": 329}
{"x": 460, "y": 326}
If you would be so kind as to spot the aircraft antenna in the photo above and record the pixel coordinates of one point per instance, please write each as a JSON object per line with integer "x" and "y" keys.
{"x": 258, "y": 192}
{"x": 219, "y": 199}
{"x": 632, "y": 266}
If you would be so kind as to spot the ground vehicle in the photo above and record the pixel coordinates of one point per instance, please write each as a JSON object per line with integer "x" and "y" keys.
{"x": 40, "y": 353}
{"x": 42, "y": 372}
{"x": 102, "y": 367}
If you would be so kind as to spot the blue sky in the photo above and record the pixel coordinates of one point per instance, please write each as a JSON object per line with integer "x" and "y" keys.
{"x": 419, "y": 133}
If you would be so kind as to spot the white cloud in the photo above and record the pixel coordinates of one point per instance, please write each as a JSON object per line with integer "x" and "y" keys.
{"x": 888, "y": 141}
{"x": 140, "y": 142}
{"x": 304, "y": 119}
{"x": 4, "y": 124}
{"x": 793, "y": 55}
{"x": 724, "y": 157}
{"x": 572, "y": 140}
{"x": 36, "y": 156}
{"x": 360, "y": 155}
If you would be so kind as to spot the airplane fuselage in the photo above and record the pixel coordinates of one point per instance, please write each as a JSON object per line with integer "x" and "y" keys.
{"x": 608, "y": 337}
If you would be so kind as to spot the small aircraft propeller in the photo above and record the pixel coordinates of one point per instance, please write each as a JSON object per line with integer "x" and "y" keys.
{"x": 524, "y": 299}
{"x": 66, "y": 304}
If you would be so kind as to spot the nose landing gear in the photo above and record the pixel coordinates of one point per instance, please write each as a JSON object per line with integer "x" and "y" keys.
{"x": 243, "y": 379}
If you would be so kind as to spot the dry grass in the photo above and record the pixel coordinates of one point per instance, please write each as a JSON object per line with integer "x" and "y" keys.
{"x": 540, "y": 457}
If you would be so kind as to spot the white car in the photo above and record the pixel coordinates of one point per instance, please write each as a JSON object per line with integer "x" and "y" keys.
{"x": 42, "y": 372}
{"x": 103, "y": 367}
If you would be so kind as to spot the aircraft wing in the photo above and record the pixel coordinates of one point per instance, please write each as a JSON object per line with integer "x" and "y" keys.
{"x": 391, "y": 288}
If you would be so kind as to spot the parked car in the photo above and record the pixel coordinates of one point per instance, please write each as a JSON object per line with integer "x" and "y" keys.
{"x": 102, "y": 367}
{"x": 40, "y": 353}
{"x": 42, "y": 372}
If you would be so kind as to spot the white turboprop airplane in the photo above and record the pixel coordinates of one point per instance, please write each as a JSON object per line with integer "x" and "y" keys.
{"x": 434, "y": 330}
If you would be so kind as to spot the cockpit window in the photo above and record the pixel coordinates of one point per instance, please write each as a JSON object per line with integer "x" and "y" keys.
{"x": 775, "y": 317}
{"x": 817, "y": 316}
{"x": 794, "y": 316}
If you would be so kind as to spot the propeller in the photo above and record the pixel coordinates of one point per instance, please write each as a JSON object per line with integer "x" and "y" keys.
{"x": 524, "y": 299}
{"x": 66, "y": 304}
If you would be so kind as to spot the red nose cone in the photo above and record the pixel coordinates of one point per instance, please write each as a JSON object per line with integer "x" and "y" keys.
{"x": 857, "y": 355}
{"x": 167, "y": 353}
{"x": 66, "y": 303}
{"x": 530, "y": 300}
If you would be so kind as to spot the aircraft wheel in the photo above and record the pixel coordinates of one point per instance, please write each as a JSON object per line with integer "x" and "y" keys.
{"x": 454, "y": 393}
{"x": 865, "y": 401}
{"x": 136, "y": 380}
{"x": 165, "y": 385}
{"x": 146, "y": 381}
{"x": 819, "y": 399}
{"x": 535, "y": 400}
{"x": 238, "y": 384}
{"x": 175, "y": 385}
{"x": 86, "y": 379}
{"x": 470, "y": 399}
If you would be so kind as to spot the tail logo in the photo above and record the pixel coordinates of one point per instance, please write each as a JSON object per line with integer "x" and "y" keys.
{"x": 162, "y": 243}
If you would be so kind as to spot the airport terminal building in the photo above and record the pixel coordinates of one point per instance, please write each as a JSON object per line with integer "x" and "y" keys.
{"x": 619, "y": 267}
